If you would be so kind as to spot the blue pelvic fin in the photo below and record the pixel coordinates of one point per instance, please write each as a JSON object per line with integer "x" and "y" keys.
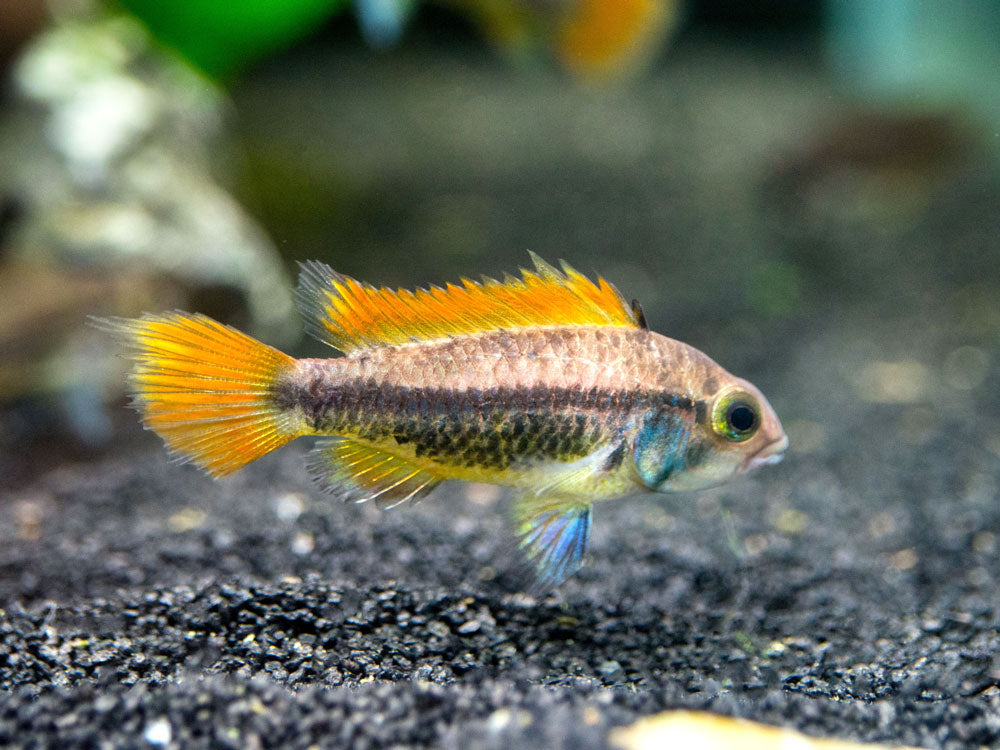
{"x": 553, "y": 531}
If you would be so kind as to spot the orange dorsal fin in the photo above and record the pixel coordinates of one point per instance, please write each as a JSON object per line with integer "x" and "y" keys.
{"x": 350, "y": 315}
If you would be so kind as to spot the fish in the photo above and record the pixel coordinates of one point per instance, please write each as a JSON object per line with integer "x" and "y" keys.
{"x": 549, "y": 383}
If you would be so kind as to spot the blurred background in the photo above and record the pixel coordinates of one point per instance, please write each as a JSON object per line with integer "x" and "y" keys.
{"x": 806, "y": 191}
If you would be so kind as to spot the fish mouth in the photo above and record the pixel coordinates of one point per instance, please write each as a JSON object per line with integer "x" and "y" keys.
{"x": 768, "y": 454}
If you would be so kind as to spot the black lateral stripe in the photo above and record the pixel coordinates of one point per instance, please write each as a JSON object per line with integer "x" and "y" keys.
{"x": 317, "y": 399}
{"x": 700, "y": 410}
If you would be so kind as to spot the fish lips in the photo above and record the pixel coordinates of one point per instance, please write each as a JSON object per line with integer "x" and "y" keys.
{"x": 769, "y": 454}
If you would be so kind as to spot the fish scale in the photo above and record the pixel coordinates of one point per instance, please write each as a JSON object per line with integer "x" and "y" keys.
{"x": 550, "y": 384}
{"x": 583, "y": 356}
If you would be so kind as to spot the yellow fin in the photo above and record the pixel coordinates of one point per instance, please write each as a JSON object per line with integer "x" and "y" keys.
{"x": 205, "y": 388}
{"x": 350, "y": 315}
{"x": 358, "y": 472}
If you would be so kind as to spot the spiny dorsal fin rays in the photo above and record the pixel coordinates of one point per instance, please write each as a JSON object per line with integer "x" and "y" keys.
{"x": 350, "y": 315}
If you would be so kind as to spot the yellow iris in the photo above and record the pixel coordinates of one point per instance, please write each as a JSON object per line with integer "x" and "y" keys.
{"x": 736, "y": 415}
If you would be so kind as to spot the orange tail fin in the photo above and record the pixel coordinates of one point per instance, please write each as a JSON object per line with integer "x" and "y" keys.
{"x": 205, "y": 388}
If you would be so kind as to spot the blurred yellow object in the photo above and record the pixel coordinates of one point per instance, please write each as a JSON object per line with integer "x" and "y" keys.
{"x": 601, "y": 38}
{"x": 707, "y": 731}
{"x": 593, "y": 39}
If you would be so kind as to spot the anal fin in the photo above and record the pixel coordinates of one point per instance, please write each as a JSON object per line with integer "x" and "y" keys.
{"x": 359, "y": 472}
{"x": 553, "y": 531}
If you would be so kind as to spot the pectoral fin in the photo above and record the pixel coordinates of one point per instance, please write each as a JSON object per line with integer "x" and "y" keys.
{"x": 553, "y": 531}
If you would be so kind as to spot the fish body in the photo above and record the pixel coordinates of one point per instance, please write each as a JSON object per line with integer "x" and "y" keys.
{"x": 550, "y": 384}
{"x": 506, "y": 407}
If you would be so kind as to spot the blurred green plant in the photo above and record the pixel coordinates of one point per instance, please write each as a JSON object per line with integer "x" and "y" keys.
{"x": 222, "y": 36}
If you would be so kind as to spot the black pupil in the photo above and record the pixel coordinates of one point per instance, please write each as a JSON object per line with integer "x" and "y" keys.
{"x": 741, "y": 417}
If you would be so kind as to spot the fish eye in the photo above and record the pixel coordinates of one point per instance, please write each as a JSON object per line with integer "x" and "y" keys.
{"x": 741, "y": 417}
{"x": 736, "y": 416}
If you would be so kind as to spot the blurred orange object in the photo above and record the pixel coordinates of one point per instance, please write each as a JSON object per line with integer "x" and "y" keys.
{"x": 593, "y": 39}
{"x": 600, "y": 38}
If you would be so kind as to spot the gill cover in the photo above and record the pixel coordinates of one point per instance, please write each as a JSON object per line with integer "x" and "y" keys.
{"x": 660, "y": 446}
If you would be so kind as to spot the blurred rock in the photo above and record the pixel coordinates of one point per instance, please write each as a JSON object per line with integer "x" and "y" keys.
{"x": 112, "y": 206}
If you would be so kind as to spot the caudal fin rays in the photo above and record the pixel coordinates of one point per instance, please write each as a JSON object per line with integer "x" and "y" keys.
{"x": 205, "y": 388}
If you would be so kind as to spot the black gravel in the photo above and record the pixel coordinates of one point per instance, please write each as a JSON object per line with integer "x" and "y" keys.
{"x": 251, "y": 611}
{"x": 851, "y": 591}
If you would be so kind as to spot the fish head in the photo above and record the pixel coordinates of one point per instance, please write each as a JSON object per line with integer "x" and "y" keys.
{"x": 735, "y": 431}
